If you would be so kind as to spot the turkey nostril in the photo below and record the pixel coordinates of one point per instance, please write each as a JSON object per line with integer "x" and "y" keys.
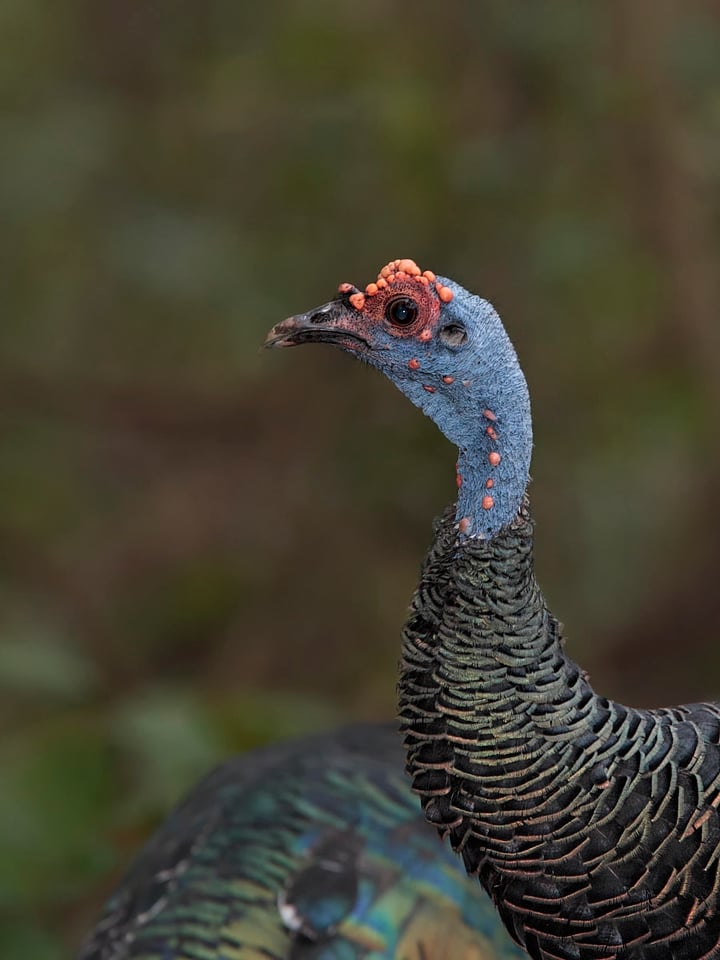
{"x": 320, "y": 315}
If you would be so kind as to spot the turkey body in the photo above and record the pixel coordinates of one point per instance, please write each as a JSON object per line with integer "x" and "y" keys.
{"x": 311, "y": 850}
{"x": 594, "y": 826}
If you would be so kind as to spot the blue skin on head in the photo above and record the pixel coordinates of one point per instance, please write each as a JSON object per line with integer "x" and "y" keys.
{"x": 455, "y": 361}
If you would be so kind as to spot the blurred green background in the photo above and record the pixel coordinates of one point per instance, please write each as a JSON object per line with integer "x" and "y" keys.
{"x": 204, "y": 547}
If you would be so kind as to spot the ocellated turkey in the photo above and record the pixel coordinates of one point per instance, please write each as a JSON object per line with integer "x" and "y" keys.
{"x": 595, "y": 827}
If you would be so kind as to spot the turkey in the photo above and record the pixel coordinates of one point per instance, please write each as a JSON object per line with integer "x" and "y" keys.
{"x": 593, "y": 826}
{"x": 312, "y": 850}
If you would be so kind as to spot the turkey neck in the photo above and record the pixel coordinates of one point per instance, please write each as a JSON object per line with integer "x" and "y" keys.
{"x": 489, "y": 421}
{"x": 493, "y": 714}
{"x": 484, "y": 679}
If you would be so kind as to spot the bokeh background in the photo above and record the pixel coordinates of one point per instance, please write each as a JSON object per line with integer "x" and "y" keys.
{"x": 203, "y": 546}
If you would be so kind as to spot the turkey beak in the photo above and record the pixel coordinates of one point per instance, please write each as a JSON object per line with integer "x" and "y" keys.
{"x": 334, "y": 322}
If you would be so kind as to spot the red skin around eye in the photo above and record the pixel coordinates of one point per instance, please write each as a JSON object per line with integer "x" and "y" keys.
{"x": 401, "y": 278}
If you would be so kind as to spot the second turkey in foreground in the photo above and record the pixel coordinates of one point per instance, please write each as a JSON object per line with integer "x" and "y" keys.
{"x": 311, "y": 849}
{"x": 594, "y": 826}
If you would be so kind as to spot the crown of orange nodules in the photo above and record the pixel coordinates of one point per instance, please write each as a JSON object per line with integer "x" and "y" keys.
{"x": 394, "y": 272}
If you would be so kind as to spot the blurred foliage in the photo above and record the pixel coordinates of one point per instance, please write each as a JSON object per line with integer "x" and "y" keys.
{"x": 203, "y": 547}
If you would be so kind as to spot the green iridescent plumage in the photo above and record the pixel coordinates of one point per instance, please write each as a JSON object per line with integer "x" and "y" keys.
{"x": 311, "y": 850}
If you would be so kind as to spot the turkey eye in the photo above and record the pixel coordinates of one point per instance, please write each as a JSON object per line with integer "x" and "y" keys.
{"x": 401, "y": 312}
